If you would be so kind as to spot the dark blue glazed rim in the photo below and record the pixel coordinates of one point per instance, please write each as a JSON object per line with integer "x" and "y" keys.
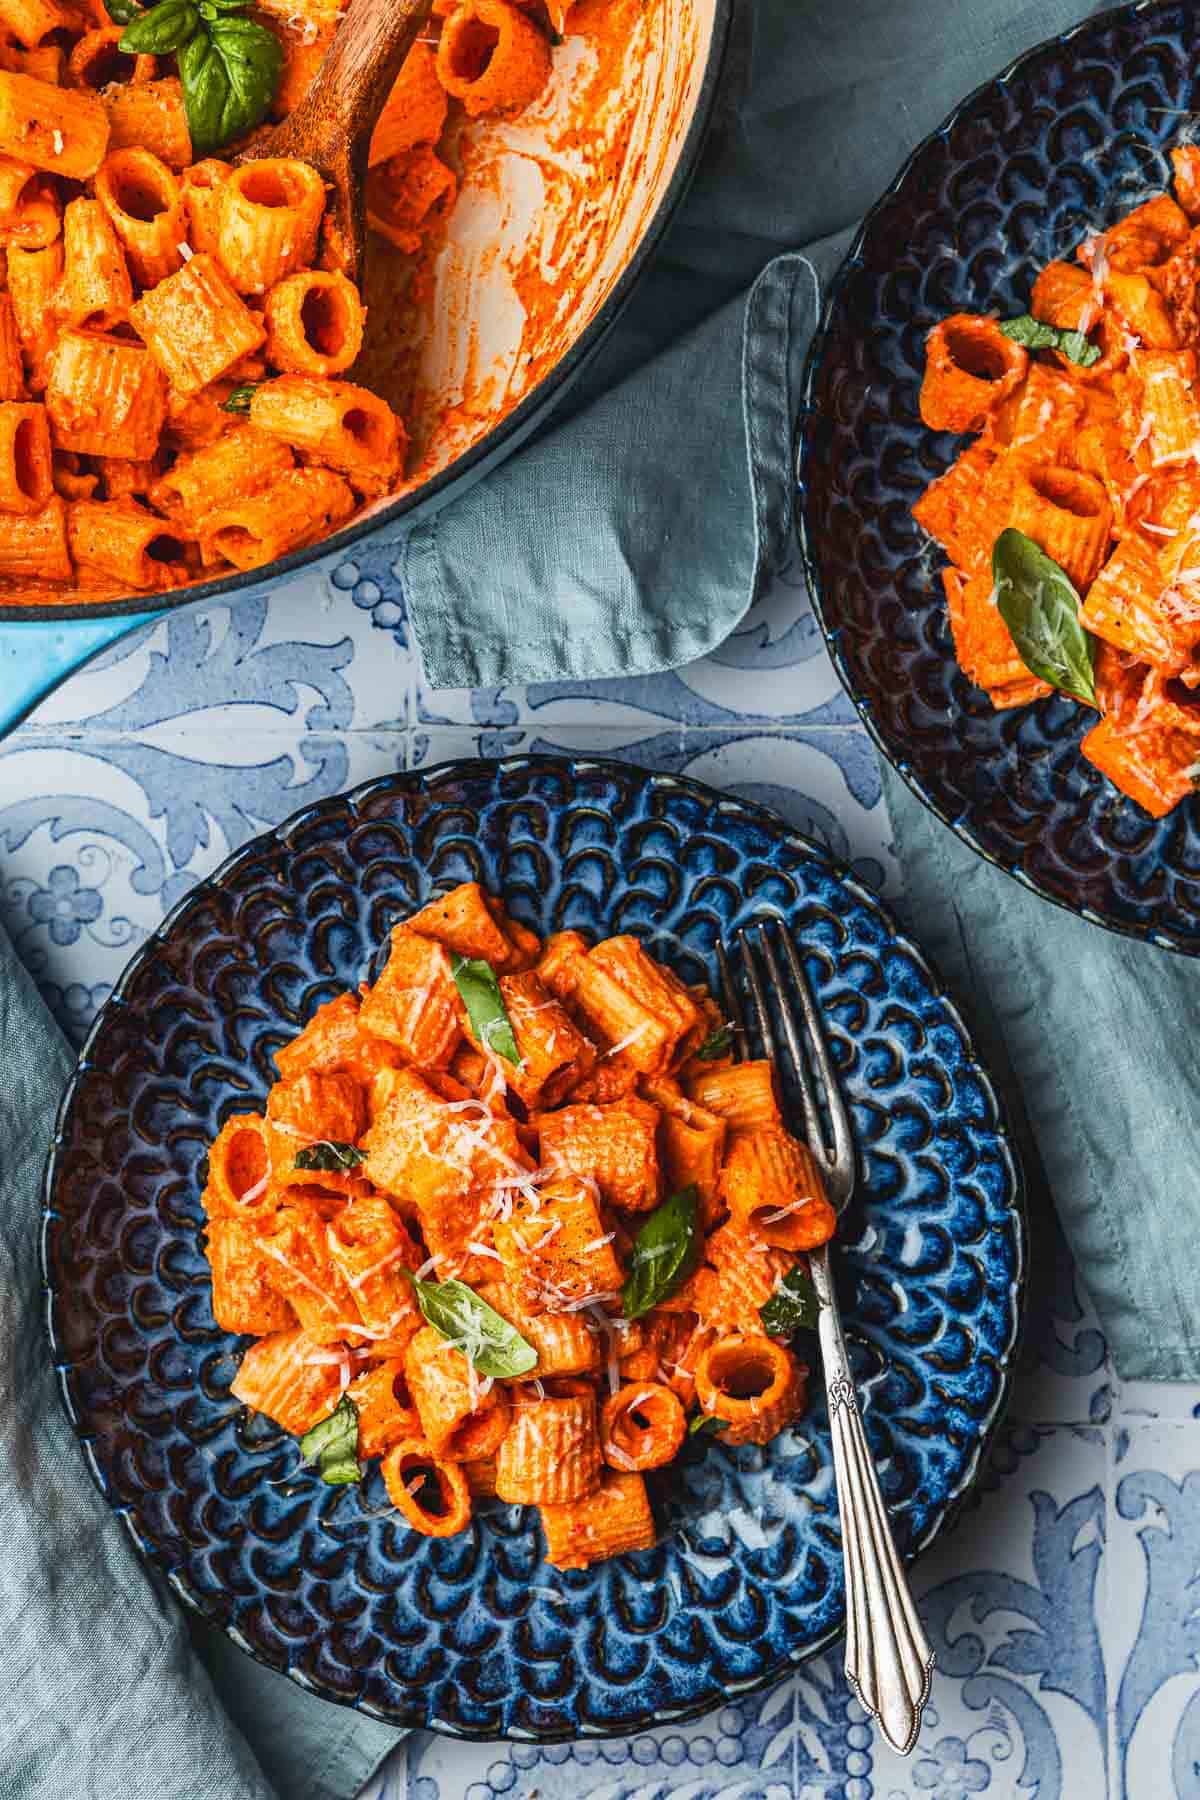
{"x": 1067, "y": 139}
{"x": 473, "y": 1636}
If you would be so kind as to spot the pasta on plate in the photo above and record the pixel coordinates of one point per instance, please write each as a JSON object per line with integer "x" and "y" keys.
{"x": 177, "y": 342}
{"x": 1072, "y": 521}
{"x": 513, "y": 1222}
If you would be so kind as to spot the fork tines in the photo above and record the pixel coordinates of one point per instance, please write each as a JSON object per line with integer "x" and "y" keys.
{"x": 769, "y": 950}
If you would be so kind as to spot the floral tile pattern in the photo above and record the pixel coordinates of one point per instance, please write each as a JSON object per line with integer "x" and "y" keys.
{"x": 1061, "y": 1603}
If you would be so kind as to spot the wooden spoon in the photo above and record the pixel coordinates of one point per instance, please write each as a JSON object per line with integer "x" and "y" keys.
{"x": 332, "y": 126}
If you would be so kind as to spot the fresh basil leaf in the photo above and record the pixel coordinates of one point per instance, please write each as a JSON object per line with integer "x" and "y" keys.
{"x": 706, "y": 1425}
{"x": 122, "y": 12}
{"x": 1039, "y": 604}
{"x": 166, "y": 27}
{"x": 476, "y": 982}
{"x": 230, "y": 73}
{"x": 715, "y": 1044}
{"x": 238, "y": 399}
{"x": 488, "y": 1342}
{"x": 330, "y": 1158}
{"x": 665, "y": 1251}
{"x": 793, "y": 1304}
{"x": 332, "y": 1444}
{"x": 1034, "y": 335}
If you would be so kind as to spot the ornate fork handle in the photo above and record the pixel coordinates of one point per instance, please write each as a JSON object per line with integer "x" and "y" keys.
{"x": 888, "y": 1658}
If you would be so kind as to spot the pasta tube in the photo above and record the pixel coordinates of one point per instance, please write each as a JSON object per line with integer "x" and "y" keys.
{"x": 432, "y": 1495}
{"x": 33, "y": 284}
{"x": 1068, "y": 515}
{"x": 242, "y": 463}
{"x": 29, "y": 21}
{"x": 314, "y": 323}
{"x": 96, "y": 289}
{"x": 970, "y": 368}
{"x": 492, "y": 58}
{"x": 415, "y": 110}
{"x": 268, "y": 217}
{"x": 122, "y": 539}
{"x": 195, "y": 325}
{"x": 551, "y": 1451}
{"x": 386, "y": 1414}
{"x": 244, "y": 1297}
{"x": 299, "y": 507}
{"x": 773, "y": 1188}
{"x": 753, "y": 1383}
{"x": 614, "y": 1146}
{"x": 62, "y": 130}
{"x": 335, "y": 423}
{"x": 613, "y": 1520}
{"x": 150, "y": 116}
{"x": 743, "y": 1095}
{"x": 144, "y": 203}
{"x": 105, "y": 396}
{"x": 201, "y": 187}
{"x": 460, "y": 1421}
{"x": 334, "y": 1039}
{"x": 26, "y": 481}
{"x": 12, "y": 372}
{"x": 281, "y": 1377}
{"x": 636, "y": 1003}
{"x": 414, "y": 1004}
{"x": 34, "y": 545}
{"x": 642, "y": 1426}
{"x": 238, "y": 1171}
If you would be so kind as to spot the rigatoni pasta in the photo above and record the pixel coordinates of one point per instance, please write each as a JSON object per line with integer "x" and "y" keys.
{"x": 1068, "y": 522}
{"x": 485, "y": 1281}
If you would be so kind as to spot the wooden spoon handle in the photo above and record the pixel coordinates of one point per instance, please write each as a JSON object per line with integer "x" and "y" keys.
{"x": 348, "y": 92}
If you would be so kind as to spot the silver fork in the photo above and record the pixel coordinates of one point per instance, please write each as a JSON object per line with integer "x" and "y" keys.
{"x": 888, "y": 1658}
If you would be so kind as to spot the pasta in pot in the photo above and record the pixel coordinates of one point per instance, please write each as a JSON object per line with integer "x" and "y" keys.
{"x": 501, "y": 1301}
{"x": 158, "y": 291}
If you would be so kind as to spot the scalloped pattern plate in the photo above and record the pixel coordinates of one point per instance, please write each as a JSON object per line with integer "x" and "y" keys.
{"x": 474, "y": 1635}
{"x": 1070, "y": 137}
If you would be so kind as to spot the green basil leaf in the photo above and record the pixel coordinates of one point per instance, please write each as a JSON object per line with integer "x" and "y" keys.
{"x": 230, "y": 73}
{"x": 706, "y": 1425}
{"x": 332, "y": 1444}
{"x": 488, "y": 1342}
{"x": 122, "y": 12}
{"x": 793, "y": 1304}
{"x": 715, "y": 1044}
{"x": 330, "y": 1158}
{"x": 1040, "y": 606}
{"x": 238, "y": 399}
{"x": 476, "y": 982}
{"x": 166, "y": 27}
{"x": 665, "y": 1251}
{"x": 1034, "y": 335}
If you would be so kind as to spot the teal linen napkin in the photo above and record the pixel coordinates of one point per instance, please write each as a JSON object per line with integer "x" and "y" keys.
{"x": 635, "y": 532}
{"x": 101, "y": 1692}
{"x": 1096, "y": 1035}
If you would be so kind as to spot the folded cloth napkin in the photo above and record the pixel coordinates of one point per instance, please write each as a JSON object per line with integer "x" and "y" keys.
{"x": 635, "y": 532}
{"x": 1093, "y": 1031}
{"x": 101, "y": 1692}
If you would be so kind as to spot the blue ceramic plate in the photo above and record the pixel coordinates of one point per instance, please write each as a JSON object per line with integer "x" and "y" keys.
{"x": 1062, "y": 144}
{"x": 474, "y": 1635}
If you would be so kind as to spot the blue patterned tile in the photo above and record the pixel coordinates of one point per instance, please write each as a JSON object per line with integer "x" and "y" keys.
{"x": 1152, "y": 1636}
{"x": 305, "y": 658}
{"x": 751, "y": 1748}
{"x": 101, "y": 835}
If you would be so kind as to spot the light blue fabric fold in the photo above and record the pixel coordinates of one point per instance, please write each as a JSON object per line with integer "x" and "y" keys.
{"x": 101, "y": 1692}
{"x": 1095, "y": 1033}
